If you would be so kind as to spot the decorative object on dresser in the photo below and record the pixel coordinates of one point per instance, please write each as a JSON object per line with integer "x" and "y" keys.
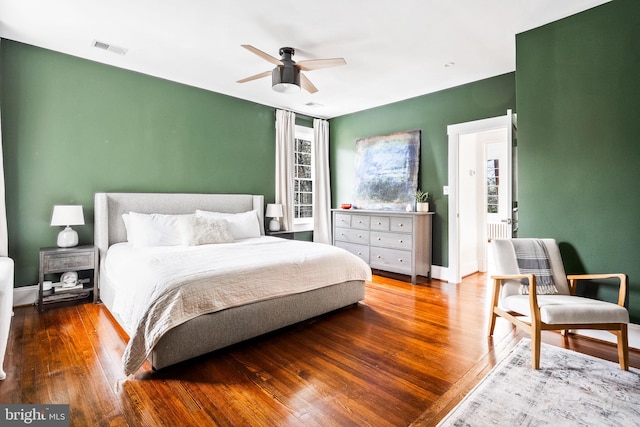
{"x": 274, "y": 211}
{"x": 67, "y": 215}
{"x": 386, "y": 175}
{"x": 65, "y": 262}
{"x": 422, "y": 201}
{"x": 399, "y": 242}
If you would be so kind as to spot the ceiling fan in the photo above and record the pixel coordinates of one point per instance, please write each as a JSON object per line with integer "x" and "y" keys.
{"x": 287, "y": 76}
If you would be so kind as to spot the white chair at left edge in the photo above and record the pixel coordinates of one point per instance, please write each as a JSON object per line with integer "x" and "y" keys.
{"x": 67, "y": 215}
{"x": 6, "y": 307}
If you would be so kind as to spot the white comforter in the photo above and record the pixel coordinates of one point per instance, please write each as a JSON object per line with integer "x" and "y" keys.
{"x": 159, "y": 288}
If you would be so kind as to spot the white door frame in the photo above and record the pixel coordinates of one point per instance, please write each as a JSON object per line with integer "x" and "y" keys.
{"x": 454, "y": 131}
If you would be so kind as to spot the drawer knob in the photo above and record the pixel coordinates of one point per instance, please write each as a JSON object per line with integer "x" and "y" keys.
{"x": 359, "y": 236}
{"x": 379, "y": 238}
{"x": 400, "y": 260}
{"x": 359, "y": 222}
{"x": 379, "y": 223}
{"x": 359, "y": 253}
{"x": 401, "y": 224}
{"x": 379, "y": 257}
{"x": 401, "y": 241}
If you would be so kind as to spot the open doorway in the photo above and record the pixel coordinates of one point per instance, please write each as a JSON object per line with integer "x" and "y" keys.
{"x": 481, "y": 191}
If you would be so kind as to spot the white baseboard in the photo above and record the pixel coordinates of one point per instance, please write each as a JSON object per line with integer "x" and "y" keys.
{"x": 633, "y": 332}
{"x": 439, "y": 273}
{"x": 25, "y": 295}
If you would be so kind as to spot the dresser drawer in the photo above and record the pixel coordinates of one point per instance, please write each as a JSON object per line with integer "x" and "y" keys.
{"x": 390, "y": 260}
{"x": 343, "y": 220}
{"x": 392, "y": 240}
{"x": 361, "y": 222}
{"x": 399, "y": 223}
{"x": 361, "y": 251}
{"x": 380, "y": 223}
{"x": 60, "y": 262}
{"x": 352, "y": 236}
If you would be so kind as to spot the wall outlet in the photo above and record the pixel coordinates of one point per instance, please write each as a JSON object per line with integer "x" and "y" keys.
{"x": 445, "y": 190}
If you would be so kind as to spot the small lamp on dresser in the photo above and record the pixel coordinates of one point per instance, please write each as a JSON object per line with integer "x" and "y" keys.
{"x": 67, "y": 215}
{"x": 274, "y": 211}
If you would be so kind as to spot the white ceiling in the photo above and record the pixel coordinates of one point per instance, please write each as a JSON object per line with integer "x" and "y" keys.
{"x": 394, "y": 49}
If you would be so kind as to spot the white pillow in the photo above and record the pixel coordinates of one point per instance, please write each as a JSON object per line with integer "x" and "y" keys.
{"x": 203, "y": 231}
{"x": 242, "y": 225}
{"x": 155, "y": 229}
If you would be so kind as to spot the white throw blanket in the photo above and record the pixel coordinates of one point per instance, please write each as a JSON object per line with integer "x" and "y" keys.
{"x": 160, "y": 288}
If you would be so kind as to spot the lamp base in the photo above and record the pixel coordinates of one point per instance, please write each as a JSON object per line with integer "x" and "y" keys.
{"x": 274, "y": 225}
{"x": 67, "y": 238}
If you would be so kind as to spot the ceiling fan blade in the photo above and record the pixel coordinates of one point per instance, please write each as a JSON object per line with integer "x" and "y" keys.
{"x": 306, "y": 84}
{"x": 257, "y": 76}
{"x": 262, "y": 54}
{"x": 316, "y": 64}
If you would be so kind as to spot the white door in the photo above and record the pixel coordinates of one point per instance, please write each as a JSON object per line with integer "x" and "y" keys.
{"x": 498, "y": 185}
{"x": 459, "y": 222}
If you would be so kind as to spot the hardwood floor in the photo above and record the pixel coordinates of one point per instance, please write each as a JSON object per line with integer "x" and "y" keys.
{"x": 406, "y": 354}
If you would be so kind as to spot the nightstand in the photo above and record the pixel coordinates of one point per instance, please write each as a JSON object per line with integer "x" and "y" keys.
{"x": 55, "y": 261}
{"x": 283, "y": 234}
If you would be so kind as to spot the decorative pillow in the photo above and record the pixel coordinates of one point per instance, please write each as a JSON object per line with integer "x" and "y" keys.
{"x": 155, "y": 229}
{"x": 204, "y": 231}
{"x": 242, "y": 225}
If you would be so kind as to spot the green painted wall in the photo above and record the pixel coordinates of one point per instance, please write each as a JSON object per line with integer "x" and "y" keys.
{"x": 578, "y": 102}
{"x": 73, "y": 127}
{"x": 432, "y": 114}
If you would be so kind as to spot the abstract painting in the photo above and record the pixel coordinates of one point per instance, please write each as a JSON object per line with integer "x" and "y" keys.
{"x": 386, "y": 175}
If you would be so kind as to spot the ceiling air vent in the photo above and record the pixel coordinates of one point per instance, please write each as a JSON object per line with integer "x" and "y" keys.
{"x": 109, "y": 47}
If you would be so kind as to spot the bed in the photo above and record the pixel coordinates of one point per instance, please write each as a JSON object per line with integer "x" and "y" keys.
{"x": 184, "y": 311}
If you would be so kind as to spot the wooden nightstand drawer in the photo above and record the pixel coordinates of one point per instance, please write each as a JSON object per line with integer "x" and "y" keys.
{"x": 79, "y": 259}
{"x": 71, "y": 262}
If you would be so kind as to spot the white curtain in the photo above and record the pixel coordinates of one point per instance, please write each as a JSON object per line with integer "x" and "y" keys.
{"x": 285, "y": 142}
{"x": 322, "y": 183}
{"x": 4, "y": 239}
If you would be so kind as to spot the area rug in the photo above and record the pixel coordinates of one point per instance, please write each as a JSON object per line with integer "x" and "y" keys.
{"x": 570, "y": 389}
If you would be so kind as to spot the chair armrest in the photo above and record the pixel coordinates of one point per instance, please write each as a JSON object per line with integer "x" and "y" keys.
{"x": 498, "y": 281}
{"x": 622, "y": 294}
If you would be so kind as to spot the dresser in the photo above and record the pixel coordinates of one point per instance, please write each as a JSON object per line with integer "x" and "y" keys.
{"x": 399, "y": 242}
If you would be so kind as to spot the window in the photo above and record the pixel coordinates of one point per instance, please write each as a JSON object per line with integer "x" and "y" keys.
{"x": 303, "y": 179}
{"x": 493, "y": 182}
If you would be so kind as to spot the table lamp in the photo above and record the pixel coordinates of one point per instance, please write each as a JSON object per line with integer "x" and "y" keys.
{"x": 274, "y": 211}
{"x": 67, "y": 215}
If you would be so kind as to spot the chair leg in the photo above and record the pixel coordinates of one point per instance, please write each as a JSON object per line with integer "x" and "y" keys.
{"x": 536, "y": 338}
{"x": 623, "y": 347}
{"x": 492, "y": 322}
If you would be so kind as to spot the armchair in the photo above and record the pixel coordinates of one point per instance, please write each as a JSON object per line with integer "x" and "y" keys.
{"x": 563, "y": 310}
{"x": 6, "y": 306}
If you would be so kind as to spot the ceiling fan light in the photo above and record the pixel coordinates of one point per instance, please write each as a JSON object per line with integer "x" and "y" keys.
{"x": 286, "y": 88}
{"x": 285, "y": 79}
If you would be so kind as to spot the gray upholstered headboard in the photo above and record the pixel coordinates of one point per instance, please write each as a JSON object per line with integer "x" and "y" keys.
{"x": 109, "y": 207}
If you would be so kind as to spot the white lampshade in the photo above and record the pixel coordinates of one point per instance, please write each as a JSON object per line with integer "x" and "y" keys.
{"x": 274, "y": 210}
{"x": 67, "y": 215}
